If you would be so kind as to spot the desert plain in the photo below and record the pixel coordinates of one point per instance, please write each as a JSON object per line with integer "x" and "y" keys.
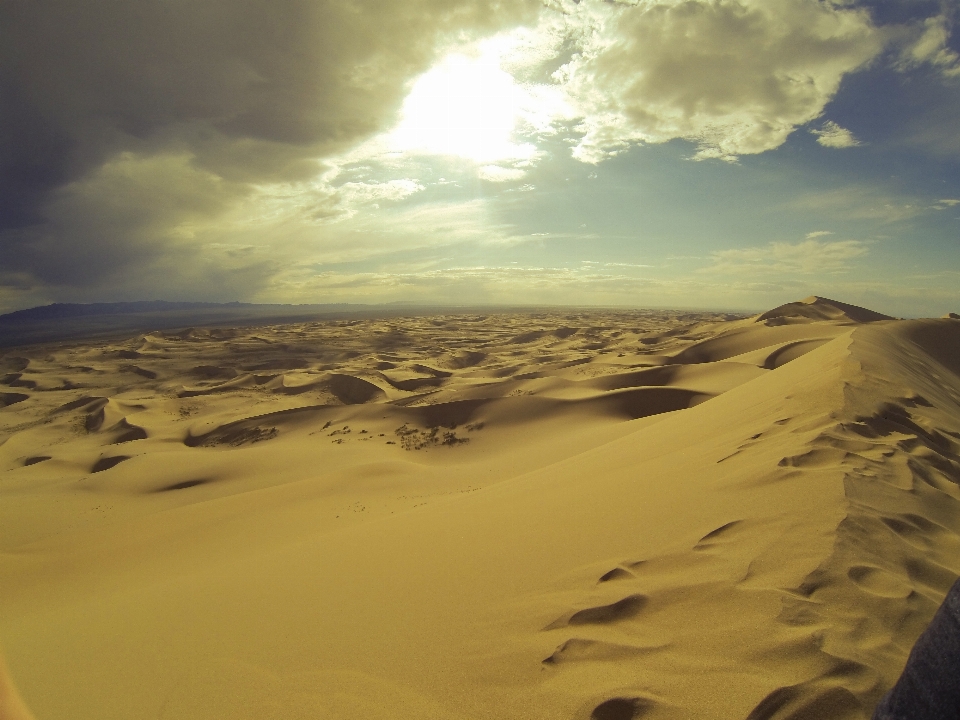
{"x": 583, "y": 514}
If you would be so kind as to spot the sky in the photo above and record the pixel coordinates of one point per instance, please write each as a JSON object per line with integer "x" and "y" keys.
{"x": 714, "y": 154}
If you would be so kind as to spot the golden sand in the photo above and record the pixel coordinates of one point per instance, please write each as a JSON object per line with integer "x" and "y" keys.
{"x": 607, "y": 515}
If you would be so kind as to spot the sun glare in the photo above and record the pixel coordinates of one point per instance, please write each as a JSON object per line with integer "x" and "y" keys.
{"x": 464, "y": 106}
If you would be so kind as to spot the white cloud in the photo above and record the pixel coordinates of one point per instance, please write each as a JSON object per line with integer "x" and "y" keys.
{"x": 495, "y": 173}
{"x": 817, "y": 233}
{"x": 734, "y": 76}
{"x": 929, "y": 46}
{"x": 929, "y": 295}
{"x": 293, "y": 229}
{"x": 189, "y": 108}
{"x": 316, "y": 201}
{"x": 854, "y": 202}
{"x": 834, "y": 136}
{"x": 807, "y": 257}
{"x": 392, "y": 190}
{"x": 469, "y": 284}
{"x": 947, "y": 203}
{"x": 644, "y": 72}
{"x": 403, "y": 228}
{"x": 464, "y": 106}
{"x": 473, "y": 105}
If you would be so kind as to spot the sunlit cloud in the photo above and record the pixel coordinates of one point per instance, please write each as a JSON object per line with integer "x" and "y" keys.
{"x": 495, "y": 173}
{"x": 464, "y": 106}
{"x": 478, "y": 284}
{"x": 392, "y": 190}
{"x": 314, "y": 201}
{"x": 929, "y": 47}
{"x": 780, "y": 258}
{"x": 833, "y": 136}
{"x": 135, "y": 135}
{"x": 478, "y": 104}
{"x": 463, "y": 285}
{"x": 143, "y": 159}
{"x": 859, "y": 202}
{"x": 655, "y": 71}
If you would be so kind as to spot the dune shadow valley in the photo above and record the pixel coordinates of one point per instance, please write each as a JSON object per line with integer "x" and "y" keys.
{"x": 553, "y": 514}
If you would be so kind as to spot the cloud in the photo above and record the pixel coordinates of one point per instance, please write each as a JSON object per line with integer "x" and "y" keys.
{"x": 390, "y": 234}
{"x": 817, "y": 233}
{"x": 756, "y": 279}
{"x": 929, "y": 47}
{"x": 734, "y": 76}
{"x": 858, "y": 202}
{"x": 516, "y": 284}
{"x": 481, "y": 284}
{"x": 495, "y": 173}
{"x": 392, "y": 190}
{"x": 202, "y": 149}
{"x": 778, "y": 258}
{"x": 834, "y": 136}
{"x": 201, "y": 103}
{"x": 947, "y": 203}
{"x": 128, "y": 212}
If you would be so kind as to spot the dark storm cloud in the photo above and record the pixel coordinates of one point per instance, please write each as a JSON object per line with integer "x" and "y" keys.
{"x": 120, "y": 120}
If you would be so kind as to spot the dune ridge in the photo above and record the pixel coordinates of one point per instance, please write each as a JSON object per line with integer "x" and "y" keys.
{"x": 599, "y": 516}
{"x": 816, "y": 308}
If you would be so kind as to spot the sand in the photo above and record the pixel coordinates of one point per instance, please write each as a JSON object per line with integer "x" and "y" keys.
{"x": 605, "y": 515}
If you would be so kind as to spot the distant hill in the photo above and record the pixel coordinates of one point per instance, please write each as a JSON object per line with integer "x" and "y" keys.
{"x": 60, "y": 311}
{"x": 61, "y": 322}
{"x": 74, "y": 321}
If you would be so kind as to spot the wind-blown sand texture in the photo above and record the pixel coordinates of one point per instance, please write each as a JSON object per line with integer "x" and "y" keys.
{"x": 572, "y": 515}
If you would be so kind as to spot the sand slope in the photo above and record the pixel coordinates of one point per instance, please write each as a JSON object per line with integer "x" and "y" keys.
{"x": 591, "y": 515}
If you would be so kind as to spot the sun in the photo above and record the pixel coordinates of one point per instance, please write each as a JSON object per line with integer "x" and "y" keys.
{"x": 464, "y": 106}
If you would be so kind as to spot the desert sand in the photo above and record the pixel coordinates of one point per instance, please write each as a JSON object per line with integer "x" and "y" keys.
{"x": 577, "y": 514}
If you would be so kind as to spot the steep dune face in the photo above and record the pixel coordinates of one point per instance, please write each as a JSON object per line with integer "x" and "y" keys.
{"x": 591, "y": 516}
{"x": 895, "y": 552}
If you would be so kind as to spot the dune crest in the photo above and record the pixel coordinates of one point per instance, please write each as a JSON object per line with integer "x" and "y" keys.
{"x": 814, "y": 309}
{"x": 584, "y": 515}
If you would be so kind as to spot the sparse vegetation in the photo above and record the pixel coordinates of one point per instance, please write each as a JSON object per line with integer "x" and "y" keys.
{"x": 412, "y": 438}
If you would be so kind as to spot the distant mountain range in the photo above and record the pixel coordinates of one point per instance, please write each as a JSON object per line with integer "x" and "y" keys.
{"x": 62, "y": 322}
{"x": 59, "y": 311}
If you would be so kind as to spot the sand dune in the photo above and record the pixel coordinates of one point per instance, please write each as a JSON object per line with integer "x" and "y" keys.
{"x": 816, "y": 308}
{"x": 571, "y": 515}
